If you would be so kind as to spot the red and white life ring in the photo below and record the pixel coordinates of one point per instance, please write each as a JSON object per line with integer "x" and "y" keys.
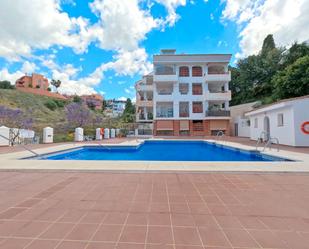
{"x": 305, "y": 127}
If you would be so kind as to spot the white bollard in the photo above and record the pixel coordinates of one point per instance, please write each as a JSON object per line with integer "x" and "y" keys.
{"x": 98, "y": 134}
{"x": 117, "y": 132}
{"x": 5, "y": 136}
{"x": 48, "y": 135}
{"x": 113, "y": 133}
{"x": 106, "y": 133}
{"x": 79, "y": 135}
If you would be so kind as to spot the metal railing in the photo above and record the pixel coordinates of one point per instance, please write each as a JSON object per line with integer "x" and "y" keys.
{"x": 270, "y": 142}
{"x": 267, "y": 140}
{"x": 36, "y": 154}
{"x": 218, "y": 113}
{"x": 261, "y": 139}
{"x": 219, "y": 135}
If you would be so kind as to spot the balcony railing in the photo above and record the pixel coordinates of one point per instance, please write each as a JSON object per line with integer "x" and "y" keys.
{"x": 184, "y": 114}
{"x": 218, "y": 77}
{"x": 165, "y": 115}
{"x": 218, "y": 113}
{"x": 218, "y": 95}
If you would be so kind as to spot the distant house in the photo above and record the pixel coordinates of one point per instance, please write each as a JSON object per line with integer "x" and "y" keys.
{"x": 34, "y": 81}
{"x": 239, "y": 123}
{"x": 115, "y": 107}
{"x": 36, "y": 84}
{"x": 95, "y": 100}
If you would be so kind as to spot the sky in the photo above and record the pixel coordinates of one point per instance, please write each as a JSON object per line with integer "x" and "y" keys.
{"x": 105, "y": 46}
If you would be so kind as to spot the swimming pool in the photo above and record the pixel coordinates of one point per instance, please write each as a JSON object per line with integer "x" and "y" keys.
{"x": 162, "y": 151}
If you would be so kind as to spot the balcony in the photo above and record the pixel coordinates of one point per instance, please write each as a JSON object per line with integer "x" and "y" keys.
{"x": 165, "y": 78}
{"x": 142, "y": 117}
{"x": 218, "y": 113}
{"x": 146, "y": 103}
{"x": 144, "y": 87}
{"x": 218, "y": 76}
{"x": 226, "y": 96}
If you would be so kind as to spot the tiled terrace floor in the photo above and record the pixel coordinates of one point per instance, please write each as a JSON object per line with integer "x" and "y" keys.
{"x": 153, "y": 211}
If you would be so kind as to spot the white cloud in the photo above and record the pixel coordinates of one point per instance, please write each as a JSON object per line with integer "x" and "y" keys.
{"x": 287, "y": 20}
{"x": 171, "y": 6}
{"x": 130, "y": 63}
{"x": 39, "y": 24}
{"x": 27, "y": 67}
{"x": 122, "y": 98}
{"x": 123, "y": 24}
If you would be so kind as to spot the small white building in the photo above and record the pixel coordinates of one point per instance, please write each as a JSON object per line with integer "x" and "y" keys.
{"x": 287, "y": 120}
{"x": 240, "y": 124}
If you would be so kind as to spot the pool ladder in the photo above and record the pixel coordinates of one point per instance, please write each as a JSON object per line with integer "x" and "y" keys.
{"x": 264, "y": 137}
{"x": 36, "y": 154}
{"x": 219, "y": 136}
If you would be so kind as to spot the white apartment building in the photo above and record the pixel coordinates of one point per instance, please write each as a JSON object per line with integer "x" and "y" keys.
{"x": 187, "y": 94}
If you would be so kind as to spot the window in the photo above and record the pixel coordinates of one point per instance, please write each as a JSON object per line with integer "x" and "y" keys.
{"x": 183, "y": 88}
{"x": 197, "y": 89}
{"x": 183, "y": 109}
{"x": 165, "y": 70}
{"x": 197, "y": 107}
{"x": 255, "y": 123}
{"x": 184, "y": 71}
{"x": 197, "y": 71}
{"x": 280, "y": 119}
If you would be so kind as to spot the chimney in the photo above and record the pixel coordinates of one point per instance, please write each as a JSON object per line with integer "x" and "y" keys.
{"x": 168, "y": 51}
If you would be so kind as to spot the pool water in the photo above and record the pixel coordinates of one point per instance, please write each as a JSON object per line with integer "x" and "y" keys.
{"x": 162, "y": 151}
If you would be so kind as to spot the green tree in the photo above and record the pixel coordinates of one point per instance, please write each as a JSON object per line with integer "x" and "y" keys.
{"x": 77, "y": 99}
{"x": 5, "y": 84}
{"x": 268, "y": 45}
{"x": 129, "y": 112}
{"x": 104, "y": 105}
{"x": 296, "y": 51}
{"x": 55, "y": 83}
{"x": 293, "y": 81}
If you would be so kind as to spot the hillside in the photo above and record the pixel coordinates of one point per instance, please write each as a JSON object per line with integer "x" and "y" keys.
{"x": 35, "y": 104}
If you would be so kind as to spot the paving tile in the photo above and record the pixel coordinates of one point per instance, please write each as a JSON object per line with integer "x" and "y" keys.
{"x": 136, "y": 234}
{"x": 182, "y": 220}
{"x": 158, "y": 234}
{"x": 115, "y": 218}
{"x": 251, "y": 222}
{"x": 14, "y": 243}
{"x": 137, "y": 219}
{"x": 186, "y": 236}
{"x": 31, "y": 229}
{"x": 240, "y": 238}
{"x": 72, "y": 245}
{"x": 108, "y": 233}
{"x": 267, "y": 239}
{"x": 42, "y": 244}
{"x": 130, "y": 246}
{"x": 159, "y": 219}
{"x": 213, "y": 237}
{"x": 93, "y": 217}
{"x": 101, "y": 245}
{"x": 82, "y": 232}
{"x": 57, "y": 231}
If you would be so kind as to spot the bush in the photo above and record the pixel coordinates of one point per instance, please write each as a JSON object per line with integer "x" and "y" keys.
{"x": 49, "y": 89}
{"x": 6, "y": 85}
{"x": 59, "y": 103}
{"x": 51, "y": 105}
{"x": 77, "y": 99}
